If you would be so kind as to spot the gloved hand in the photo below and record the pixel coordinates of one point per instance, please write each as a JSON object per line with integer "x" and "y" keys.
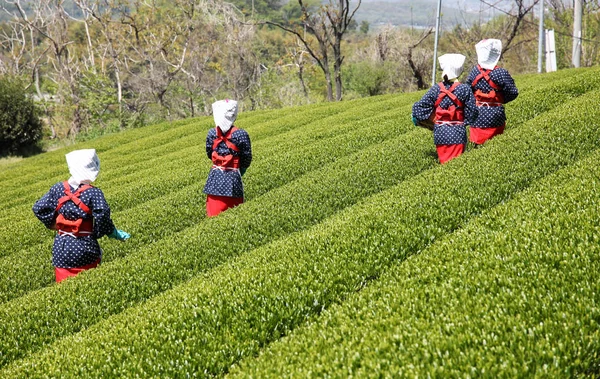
{"x": 119, "y": 235}
{"x": 243, "y": 170}
{"x": 414, "y": 119}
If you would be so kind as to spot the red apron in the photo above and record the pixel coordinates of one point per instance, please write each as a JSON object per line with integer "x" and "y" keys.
{"x": 64, "y": 273}
{"x": 217, "y": 204}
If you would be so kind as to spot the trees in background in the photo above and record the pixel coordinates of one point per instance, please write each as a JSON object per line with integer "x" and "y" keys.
{"x": 111, "y": 64}
{"x": 20, "y": 124}
{"x": 321, "y": 29}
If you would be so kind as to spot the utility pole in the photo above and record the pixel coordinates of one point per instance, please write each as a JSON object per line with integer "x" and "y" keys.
{"x": 577, "y": 16}
{"x": 541, "y": 38}
{"x": 435, "y": 43}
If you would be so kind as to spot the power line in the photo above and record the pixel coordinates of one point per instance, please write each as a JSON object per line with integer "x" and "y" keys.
{"x": 531, "y": 23}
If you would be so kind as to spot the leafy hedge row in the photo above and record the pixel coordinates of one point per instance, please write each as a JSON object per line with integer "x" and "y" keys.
{"x": 144, "y": 154}
{"x": 527, "y": 107}
{"x": 28, "y": 266}
{"x": 513, "y": 294}
{"x": 39, "y": 318}
{"x": 216, "y": 319}
{"x": 271, "y": 171}
{"x": 183, "y": 167}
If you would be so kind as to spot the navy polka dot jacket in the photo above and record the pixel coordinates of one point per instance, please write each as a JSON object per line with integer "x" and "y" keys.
{"x": 223, "y": 182}
{"x": 69, "y": 251}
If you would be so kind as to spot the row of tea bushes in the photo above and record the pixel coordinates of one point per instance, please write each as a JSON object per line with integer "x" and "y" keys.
{"x": 145, "y": 154}
{"x": 31, "y": 267}
{"x": 37, "y": 318}
{"x": 513, "y": 294}
{"x": 181, "y": 168}
{"x": 229, "y": 313}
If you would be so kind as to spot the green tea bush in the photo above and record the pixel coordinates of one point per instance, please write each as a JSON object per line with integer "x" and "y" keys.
{"x": 31, "y": 268}
{"x": 229, "y": 313}
{"x": 513, "y": 294}
{"x": 189, "y": 166}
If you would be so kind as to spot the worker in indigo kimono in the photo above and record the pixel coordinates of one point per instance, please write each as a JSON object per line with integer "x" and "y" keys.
{"x": 79, "y": 214}
{"x": 229, "y": 149}
{"x": 446, "y": 109}
{"x": 493, "y": 87}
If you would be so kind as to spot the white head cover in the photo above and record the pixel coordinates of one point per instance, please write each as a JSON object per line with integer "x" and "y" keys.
{"x": 84, "y": 166}
{"x": 452, "y": 65}
{"x": 488, "y": 53}
{"x": 225, "y": 112}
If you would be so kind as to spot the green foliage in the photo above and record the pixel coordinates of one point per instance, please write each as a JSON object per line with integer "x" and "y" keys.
{"x": 512, "y": 294}
{"x": 364, "y": 27}
{"x": 20, "y": 124}
{"x": 366, "y": 79}
{"x": 230, "y": 312}
{"x": 338, "y": 196}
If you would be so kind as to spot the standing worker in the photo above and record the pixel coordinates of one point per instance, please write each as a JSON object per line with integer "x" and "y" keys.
{"x": 446, "y": 109}
{"x": 229, "y": 149}
{"x": 493, "y": 87}
{"x": 79, "y": 214}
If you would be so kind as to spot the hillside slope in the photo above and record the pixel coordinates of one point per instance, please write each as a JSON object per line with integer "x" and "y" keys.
{"x": 340, "y": 197}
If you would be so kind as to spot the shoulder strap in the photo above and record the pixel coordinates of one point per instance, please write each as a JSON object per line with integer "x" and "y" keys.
{"x": 485, "y": 74}
{"x": 74, "y": 197}
{"x": 450, "y": 93}
{"x": 225, "y": 138}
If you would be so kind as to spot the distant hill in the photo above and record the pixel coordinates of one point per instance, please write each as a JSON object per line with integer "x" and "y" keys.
{"x": 421, "y": 14}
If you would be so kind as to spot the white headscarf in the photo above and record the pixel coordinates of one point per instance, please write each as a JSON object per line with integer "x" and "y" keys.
{"x": 84, "y": 166}
{"x": 488, "y": 53}
{"x": 452, "y": 65}
{"x": 225, "y": 112}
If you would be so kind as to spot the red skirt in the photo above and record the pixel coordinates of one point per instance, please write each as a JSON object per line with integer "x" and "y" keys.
{"x": 64, "y": 273}
{"x": 217, "y": 204}
{"x": 447, "y": 152}
{"x": 480, "y": 135}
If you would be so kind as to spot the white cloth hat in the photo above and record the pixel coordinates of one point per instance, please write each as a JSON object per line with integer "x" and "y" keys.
{"x": 452, "y": 65}
{"x": 84, "y": 166}
{"x": 488, "y": 53}
{"x": 225, "y": 112}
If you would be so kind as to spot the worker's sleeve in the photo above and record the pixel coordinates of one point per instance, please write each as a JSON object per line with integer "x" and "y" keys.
{"x": 509, "y": 89}
{"x": 103, "y": 224}
{"x": 245, "y": 149}
{"x": 210, "y": 139}
{"x": 45, "y": 208}
{"x": 423, "y": 108}
{"x": 472, "y": 75}
{"x": 470, "y": 107}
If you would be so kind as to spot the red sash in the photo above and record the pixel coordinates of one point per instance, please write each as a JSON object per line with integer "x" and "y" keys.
{"x": 492, "y": 98}
{"x": 455, "y": 112}
{"x": 80, "y": 227}
{"x": 229, "y": 161}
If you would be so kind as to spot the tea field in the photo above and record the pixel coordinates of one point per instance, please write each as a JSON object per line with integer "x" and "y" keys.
{"x": 355, "y": 254}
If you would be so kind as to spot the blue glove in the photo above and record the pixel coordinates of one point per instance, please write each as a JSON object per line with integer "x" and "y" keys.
{"x": 119, "y": 235}
{"x": 243, "y": 170}
{"x": 415, "y": 121}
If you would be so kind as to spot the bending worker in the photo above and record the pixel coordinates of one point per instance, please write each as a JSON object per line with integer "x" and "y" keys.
{"x": 229, "y": 149}
{"x": 493, "y": 87}
{"x": 79, "y": 214}
{"x": 446, "y": 108}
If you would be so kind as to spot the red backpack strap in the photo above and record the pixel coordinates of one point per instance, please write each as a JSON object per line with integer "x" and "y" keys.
{"x": 225, "y": 138}
{"x": 450, "y": 93}
{"x": 485, "y": 74}
{"x": 74, "y": 197}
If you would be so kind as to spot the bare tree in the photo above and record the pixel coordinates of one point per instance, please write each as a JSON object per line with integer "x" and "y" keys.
{"x": 327, "y": 26}
{"x": 51, "y": 22}
{"x": 417, "y": 69}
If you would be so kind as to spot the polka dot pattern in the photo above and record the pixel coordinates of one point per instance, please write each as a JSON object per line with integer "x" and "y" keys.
{"x": 228, "y": 183}
{"x": 493, "y": 116}
{"x": 445, "y": 134}
{"x": 69, "y": 251}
